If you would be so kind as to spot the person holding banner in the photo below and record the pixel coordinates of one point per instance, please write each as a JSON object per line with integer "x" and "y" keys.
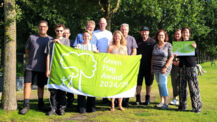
{"x": 57, "y": 97}
{"x": 104, "y": 39}
{"x": 90, "y": 105}
{"x": 131, "y": 50}
{"x": 162, "y": 58}
{"x": 118, "y": 47}
{"x": 175, "y": 72}
{"x": 70, "y": 96}
{"x": 189, "y": 75}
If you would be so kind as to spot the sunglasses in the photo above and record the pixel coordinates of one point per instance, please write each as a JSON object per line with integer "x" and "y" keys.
{"x": 59, "y": 31}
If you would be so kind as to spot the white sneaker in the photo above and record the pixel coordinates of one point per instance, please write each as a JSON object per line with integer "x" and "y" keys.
{"x": 174, "y": 102}
{"x": 159, "y": 105}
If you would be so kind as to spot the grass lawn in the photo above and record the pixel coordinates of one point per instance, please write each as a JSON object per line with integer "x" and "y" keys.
{"x": 208, "y": 88}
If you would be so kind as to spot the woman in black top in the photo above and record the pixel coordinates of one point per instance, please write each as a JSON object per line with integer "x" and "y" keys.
{"x": 189, "y": 75}
{"x": 175, "y": 72}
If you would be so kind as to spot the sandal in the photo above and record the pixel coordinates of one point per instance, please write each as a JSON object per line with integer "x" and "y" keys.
{"x": 121, "y": 108}
{"x": 112, "y": 109}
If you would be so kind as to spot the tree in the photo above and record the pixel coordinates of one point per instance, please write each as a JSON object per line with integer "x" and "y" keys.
{"x": 108, "y": 11}
{"x": 9, "y": 76}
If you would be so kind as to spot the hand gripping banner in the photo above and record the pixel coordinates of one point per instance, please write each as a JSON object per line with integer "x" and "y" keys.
{"x": 93, "y": 74}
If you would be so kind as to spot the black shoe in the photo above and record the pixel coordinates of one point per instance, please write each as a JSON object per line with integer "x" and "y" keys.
{"x": 51, "y": 112}
{"x": 125, "y": 102}
{"x": 25, "y": 109}
{"x": 61, "y": 112}
{"x": 138, "y": 99}
{"x": 82, "y": 110}
{"x": 147, "y": 100}
{"x": 91, "y": 109}
{"x": 182, "y": 108}
{"x": 105, "y": 101}
{"x": 41, "y": 106}
{"x": 196, "y": 111}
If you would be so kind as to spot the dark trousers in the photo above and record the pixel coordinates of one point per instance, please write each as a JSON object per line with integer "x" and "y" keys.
{"x": 175, "y": 78}
{"x": 90, "y": 102}
{"x": 70, "y": 98}
{"x": 189, "y": 76}
{"x": 57, "y": 99}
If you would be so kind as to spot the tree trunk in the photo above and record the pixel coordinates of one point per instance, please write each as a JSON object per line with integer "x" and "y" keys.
{"x": 108, "y": 11}
{"x": 9, "y": 77}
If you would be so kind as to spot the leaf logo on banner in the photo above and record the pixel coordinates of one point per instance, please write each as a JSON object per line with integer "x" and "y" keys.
{"x": 78, "y": 68}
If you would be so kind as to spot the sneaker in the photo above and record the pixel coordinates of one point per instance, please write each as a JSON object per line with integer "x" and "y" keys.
{"x": 174, "y": 102}
{"x": 159, "y": 105}
{"x": 164, "y": 107}
{"x": 52, "y": 112}
{"x": 25, "y": 109}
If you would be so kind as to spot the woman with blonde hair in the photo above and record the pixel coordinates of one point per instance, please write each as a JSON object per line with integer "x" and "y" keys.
{"x": 118, "y": 47}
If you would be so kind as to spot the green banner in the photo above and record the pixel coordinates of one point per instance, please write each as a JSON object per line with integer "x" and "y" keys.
{"x": 93, "y": 74}
{"x": 183, "y": 48}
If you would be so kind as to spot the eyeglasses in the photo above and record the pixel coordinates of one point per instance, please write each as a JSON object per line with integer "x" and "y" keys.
{"x": 59, "y": 31}
{"x": 42, "y": 26}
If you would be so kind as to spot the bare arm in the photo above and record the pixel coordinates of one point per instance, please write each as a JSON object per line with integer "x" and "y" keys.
{"x": 134, "y": 51}
{"x": 48, "y": 66}
{"x": 109, "y": 49}
{"x": 27, "y": 53}
{"x": 169, "y": 61}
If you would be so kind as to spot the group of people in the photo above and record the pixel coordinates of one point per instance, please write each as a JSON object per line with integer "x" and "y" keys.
{"x": 157, "y": 60}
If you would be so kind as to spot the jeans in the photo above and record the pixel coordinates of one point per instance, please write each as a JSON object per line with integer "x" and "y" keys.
{"x": 162, "y": 83}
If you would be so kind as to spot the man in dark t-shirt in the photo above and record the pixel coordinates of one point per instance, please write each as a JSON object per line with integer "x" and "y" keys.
{"x": 145, "y": 47}
{"x": 36, "y": 65}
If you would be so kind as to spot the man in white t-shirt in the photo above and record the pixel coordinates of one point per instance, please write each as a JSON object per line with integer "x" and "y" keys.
{"x": 103, "y": 36}
{"x": 104, "y": 39}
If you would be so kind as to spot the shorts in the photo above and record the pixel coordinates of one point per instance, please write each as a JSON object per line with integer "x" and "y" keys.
{"x": 148, "y": 77}
{"x": 30, "y": 75}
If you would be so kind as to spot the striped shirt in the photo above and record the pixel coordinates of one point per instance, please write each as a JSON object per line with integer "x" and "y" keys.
{"x": 161, "y": 56}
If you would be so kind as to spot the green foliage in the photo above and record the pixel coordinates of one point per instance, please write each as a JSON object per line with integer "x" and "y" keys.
{"x": 20, "y": 70}
{"x": 199, "y": 15}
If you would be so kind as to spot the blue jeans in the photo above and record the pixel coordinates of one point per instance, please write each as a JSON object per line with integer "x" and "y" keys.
{"x": 162, "y": 83}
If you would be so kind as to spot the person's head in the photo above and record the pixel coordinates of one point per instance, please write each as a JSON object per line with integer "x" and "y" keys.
{"x": 177, "y": 35}
{"x": 87, "y": 35}
{"x": 144, "y": 31}
{"x": 125, "y": 29}
{"x": 66, "y": 33}
{"x": 42, "y": 28}
{"x": 161, "y": 36}
{"x": 90, "y": 26}
{"x": 102, "y": 24}
{"x": 186, "y": 32}
{"x": 59, "y": 29}
{"x": 118, "y": 37}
